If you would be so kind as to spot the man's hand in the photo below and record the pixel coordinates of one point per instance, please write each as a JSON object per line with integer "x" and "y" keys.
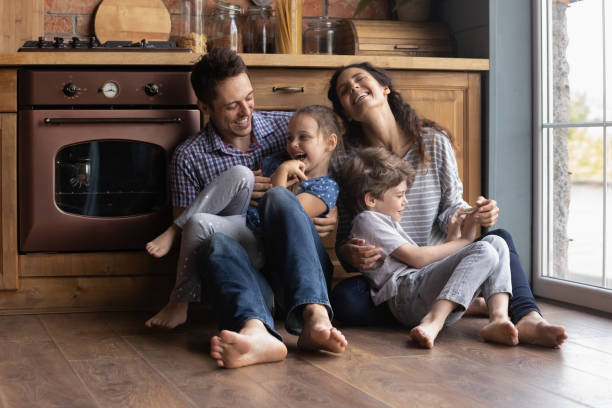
{"x": 262, "y": 184}
{"x": 358, "y": 254}
{"x": 487, "y": 212}
{"x": 327, "y": 224}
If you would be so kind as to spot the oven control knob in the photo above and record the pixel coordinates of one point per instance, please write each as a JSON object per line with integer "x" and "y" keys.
{"x": 151, "y": 89}
{"x": 71, "y": 89}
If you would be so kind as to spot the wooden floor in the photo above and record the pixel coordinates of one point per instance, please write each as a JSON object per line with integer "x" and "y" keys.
{"x": 112, "y": 360}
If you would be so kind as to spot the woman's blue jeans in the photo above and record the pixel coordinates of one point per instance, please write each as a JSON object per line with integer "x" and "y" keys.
{"x": 297, "y": 268}
{"x": 353, "y": 306}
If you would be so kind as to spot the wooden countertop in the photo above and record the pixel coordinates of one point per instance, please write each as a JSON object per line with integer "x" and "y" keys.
{"x": 187, "y": 59}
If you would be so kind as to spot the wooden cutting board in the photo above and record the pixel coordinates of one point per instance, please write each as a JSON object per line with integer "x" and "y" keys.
{"x": 132, "y": 20}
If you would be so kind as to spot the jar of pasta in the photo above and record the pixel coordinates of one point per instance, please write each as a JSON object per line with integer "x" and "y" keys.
{"x": 225, "y": 27}
{"x": 192, "y": 34}
{"x": 289, "y": 28}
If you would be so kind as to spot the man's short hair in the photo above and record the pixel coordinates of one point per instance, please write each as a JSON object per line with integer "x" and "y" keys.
{"x": 212, "y": 68}
{"x": 372, "y": 170}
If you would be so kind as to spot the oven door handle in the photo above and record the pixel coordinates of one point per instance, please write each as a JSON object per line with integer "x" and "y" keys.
{"x": 71, "y": 121}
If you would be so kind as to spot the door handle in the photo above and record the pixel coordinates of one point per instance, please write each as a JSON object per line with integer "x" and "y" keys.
{"x": 78, "y": 121}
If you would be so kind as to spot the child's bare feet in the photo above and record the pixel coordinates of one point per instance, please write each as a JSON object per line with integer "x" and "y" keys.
{"x": 478, "y": 307}
{"x": 172, "y": 315}
{"x": 533, "y": 329}
{"x": 318, "y": 332}
{"x": 163, "y": 242}
{"x": 500, "y": 331}
{"x": 253, "y": 345}
{"x": 425, "y": 333}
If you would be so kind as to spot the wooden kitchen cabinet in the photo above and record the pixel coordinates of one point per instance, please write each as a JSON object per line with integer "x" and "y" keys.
{"x": 443, "y": 89}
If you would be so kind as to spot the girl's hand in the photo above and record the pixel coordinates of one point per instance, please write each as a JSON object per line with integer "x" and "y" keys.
{"x": 288, "y": 173}
{"x": 454, "y": 226}
{"x": 360, "y": 255}
{"x": 487, "y": 212}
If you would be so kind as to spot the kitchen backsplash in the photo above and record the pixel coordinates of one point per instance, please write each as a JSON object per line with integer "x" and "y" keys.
{"x": 67, "y": 18}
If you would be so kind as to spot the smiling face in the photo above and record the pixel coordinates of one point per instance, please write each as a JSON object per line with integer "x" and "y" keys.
{"x": 359, "y": 92}
{"x": 232, "y": 110}
{"x": 306, "y": 143}
{"x": 392, "y": 202}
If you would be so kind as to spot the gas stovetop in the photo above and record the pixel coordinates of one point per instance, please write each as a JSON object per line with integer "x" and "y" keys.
{"x": 91, "y": 44}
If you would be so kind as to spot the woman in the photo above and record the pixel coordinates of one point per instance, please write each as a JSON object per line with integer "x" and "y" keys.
{"x": 376, "y": 115}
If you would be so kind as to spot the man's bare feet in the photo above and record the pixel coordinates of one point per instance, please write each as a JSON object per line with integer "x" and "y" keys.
{"x": 533, "y": 329}
{"x": 425, "y": 333}
{"x": 163, "y": 242}
{"x": 172, "y": 315}
{"x": 500, "y": 331}
{"x": 252, "y": 345}
{"x": 478, "y": 307}
{"x": 318, "y": 332}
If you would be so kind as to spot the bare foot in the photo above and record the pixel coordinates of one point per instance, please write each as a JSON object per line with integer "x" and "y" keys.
{"x": 318, "y": 332}
{"x": 425, "y": 333}
{"x": 172, "y": 315}
{"x": 533, "y": 329}
{"x": 253, "y": 345}
{"x": 500, "y": 331}
{"x": 162, "y": 244}
{"x": 478, "y": 307}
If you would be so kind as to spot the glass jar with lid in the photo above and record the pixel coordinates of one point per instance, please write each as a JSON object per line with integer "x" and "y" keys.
{"x": 320, "y": 36}
{"x": 259, "y": 30}
{"x": 225, "y": 27}
{"x": 192, "y": 34}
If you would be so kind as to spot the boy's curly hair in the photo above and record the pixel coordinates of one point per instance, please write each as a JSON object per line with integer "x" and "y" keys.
{"x": 371, "y": 170}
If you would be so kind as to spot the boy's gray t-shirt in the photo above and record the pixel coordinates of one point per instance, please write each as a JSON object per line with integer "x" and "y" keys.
{"x": 381, "y": 231}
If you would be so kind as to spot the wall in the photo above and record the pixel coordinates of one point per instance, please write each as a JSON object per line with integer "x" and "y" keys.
{"x": 470, "y": 31}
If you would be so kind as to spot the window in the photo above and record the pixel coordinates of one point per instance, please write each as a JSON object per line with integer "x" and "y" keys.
{"x": 573, "y": 155}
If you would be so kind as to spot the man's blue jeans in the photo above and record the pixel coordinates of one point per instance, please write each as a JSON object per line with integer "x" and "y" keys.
{"x": 297, "y": 268}
{"x": 353, "y": 305}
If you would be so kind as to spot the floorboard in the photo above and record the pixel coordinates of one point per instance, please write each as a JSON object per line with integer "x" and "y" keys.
{"x": 113, "y": 360}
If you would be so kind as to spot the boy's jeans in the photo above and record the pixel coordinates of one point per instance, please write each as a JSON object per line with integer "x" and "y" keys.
{"x": 297, "y": 268}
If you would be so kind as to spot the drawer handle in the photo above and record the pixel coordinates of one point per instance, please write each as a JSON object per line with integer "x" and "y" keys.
{"x": 288, "y": 89}
{"x": 405, "y": 47}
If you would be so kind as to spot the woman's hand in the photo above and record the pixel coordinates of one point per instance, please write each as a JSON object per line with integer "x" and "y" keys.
{"x": 262, "y": 184}
{"x": 289, "y": 173}
{"x": 469, "y": 228}
{"x": 358, "y": 254}
{"x": 454, "y": 226}
{"x": 327, "y": 224}
{"x": 487, "y": 212}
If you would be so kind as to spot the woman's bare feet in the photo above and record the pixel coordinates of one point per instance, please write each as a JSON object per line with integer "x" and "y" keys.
{"x": 478, "y": 307}
{"x": 252, "y": 345}
{"x": 318, "y": 332}
{"x": 163, "y": 242}
{"x": 425, "y": 333}
{"x": 500, "y": 331}
{"x": 533, "y": 329}
{"x": 172, "y": 315}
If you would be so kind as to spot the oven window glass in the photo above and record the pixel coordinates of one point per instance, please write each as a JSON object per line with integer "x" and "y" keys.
{"x": 110, "y": 178}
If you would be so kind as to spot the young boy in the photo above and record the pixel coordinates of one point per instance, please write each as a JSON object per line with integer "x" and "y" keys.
{"x": 430, "y": 286}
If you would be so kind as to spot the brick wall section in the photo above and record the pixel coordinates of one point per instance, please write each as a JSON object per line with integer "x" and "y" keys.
{"x": 68, "y": 18}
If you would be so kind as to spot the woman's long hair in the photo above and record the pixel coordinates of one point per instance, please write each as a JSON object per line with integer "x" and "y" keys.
{"x": 404, "y": 114}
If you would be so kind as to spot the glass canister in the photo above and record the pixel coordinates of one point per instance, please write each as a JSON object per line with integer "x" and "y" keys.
{"x": 259, "y": 30}
{"x": 320, "y": 36}
{"x": 225, "y": 27}
{"x": 193, "y": 35}
{"x": 288, "y": 37}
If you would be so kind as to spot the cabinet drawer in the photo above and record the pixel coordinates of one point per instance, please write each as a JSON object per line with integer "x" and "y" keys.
{"x": 289, "y": 89}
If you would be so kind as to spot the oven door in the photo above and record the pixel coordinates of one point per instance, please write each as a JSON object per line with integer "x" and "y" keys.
{"x": 94, "y": 180}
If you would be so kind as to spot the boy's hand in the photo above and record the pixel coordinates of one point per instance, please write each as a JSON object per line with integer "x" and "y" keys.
{"x": 327, "y": 224}
{"x": 262, "y": 184}
{"x": 487, "y": 213}
{"x": 360, "y": 255}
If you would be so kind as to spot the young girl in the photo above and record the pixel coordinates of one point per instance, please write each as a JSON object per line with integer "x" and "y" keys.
{"x": 223, "y": 206}
{"x": 425, "y": 286}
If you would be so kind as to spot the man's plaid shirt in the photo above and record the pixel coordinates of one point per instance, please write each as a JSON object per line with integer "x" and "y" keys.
{"x": 201, "y": 158}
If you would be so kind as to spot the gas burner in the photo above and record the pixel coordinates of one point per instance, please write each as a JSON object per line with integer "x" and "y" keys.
{"x": 91, "y": 44}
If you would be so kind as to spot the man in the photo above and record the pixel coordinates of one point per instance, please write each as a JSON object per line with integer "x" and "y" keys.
{"x": 236, "y": 134}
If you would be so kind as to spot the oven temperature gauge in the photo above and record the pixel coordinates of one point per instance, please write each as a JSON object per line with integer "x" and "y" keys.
{"x": 110, "y": 89}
